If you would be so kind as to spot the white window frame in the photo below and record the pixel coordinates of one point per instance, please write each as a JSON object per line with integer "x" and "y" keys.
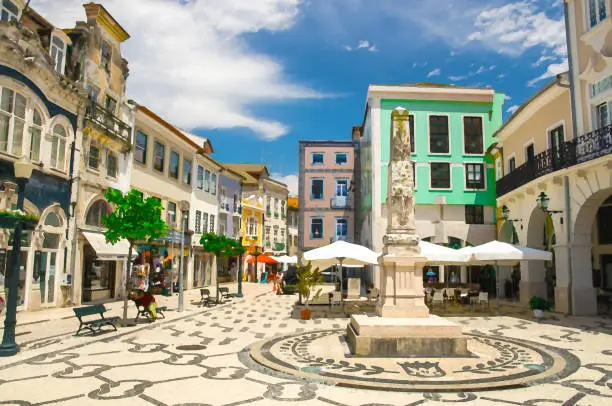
{"x": 311, "y": 234}
{"x": 62, "y": 143}
{"x": 549, "y": 129}
{"x": 58, "y": 51}
{"x": 336, "y": 158}
{"x": 41, "y": 128}
{"x": 348, "y": 184}
{"x": 312, "y": 154}
{"x": 10, "y": 14}
{"x": 12, "y": 117}
{"x": 450, "y": 136}
{"x": 450, "y": 169}
{"x": 322, "y": 187}
{"x": 482, "y": 122}
{"x": 484, "y": 176}
{"x": 608, "y": 103}
{"x": 336, "y": 225}
{"x": 587, "y": 13}
{"x": 498, "y": 168}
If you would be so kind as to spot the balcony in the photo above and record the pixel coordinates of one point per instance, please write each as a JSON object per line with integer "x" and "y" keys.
{"x": 341, "y": 202}
{"x": 582, "y": 149}
{"x": 110, "y": 124}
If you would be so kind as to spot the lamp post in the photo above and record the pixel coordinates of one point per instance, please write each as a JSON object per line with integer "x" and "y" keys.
{"x": 256, "y": 254}
{"x": 542, "y": 201}
{"x": 23, "y": 171}
{"x": 239, "y": 293}
{"x": 184, "y": 206}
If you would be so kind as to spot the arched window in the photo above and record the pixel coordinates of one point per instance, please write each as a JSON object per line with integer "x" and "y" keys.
{"x": 58, "y": 147}
{"x": 35, "y": 135}
{"x": 97, "y": 210}
{"x": 53, "y": 220}
{"x": 12, "y": 121}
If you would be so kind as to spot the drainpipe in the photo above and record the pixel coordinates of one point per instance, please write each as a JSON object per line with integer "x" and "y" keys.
{"x": 566, "y": 184}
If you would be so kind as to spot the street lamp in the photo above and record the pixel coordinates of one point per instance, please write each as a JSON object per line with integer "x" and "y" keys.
{"x": 23, "y": 172}
{"x": 239, "y": 293}
{"x": 542, "y": 201}
{"x": 505, "y": 212}
{"x": 184, "y": 206}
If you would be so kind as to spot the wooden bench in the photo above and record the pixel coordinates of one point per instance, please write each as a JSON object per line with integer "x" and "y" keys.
{"x": 205, "y": 296}
{"x": 95, "y": 326}
{"x": 143, "y": 311}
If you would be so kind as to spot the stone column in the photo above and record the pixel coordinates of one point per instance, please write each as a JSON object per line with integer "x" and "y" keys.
{"x": 463, "y": 276}
{"x": 533, "y": 281}
{"x": 583, "y": 295}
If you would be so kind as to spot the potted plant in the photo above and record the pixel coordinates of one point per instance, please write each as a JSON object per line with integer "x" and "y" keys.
{"x": 539, "y": 305}
{"x": 9, "y": 219}
{"x": 308, "y": 278}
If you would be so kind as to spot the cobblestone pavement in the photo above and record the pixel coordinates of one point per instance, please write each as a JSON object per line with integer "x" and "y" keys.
{"x": 201, "y": 357}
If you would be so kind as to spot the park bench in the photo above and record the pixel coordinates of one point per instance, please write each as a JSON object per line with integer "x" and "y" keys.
{"x": 224, "y": 293}
{"x": 142, "y": 311}
{"x": 205, "y": 296}
{"x": 95, "y": 326}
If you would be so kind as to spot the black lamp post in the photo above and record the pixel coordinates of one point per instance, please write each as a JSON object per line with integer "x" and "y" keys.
{"x": 505, "y": 212}
{"x": 23, "y": 171}
{"x": 542, "y": 201}
{"x": 239, "y": 293}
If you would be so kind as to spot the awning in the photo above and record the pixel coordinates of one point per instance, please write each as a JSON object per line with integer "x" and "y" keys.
{"x": 104, "y": 250}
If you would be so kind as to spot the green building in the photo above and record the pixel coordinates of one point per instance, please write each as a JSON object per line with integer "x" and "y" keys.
{"x": 451, "y": 128}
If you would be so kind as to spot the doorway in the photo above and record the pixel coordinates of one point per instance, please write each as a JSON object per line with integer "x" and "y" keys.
{"x": 606, "y": 268}
{"x": 98, "y": 276}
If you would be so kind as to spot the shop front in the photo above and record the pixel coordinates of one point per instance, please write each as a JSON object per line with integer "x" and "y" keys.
{"x": 103, "y": 265}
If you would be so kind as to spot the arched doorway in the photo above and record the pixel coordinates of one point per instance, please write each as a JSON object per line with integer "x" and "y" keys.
{"x": 507, "y": 233}
{"x": 591, "y": 255}
{"x": 538, "y": 277}
{"x": 50, "y": 256}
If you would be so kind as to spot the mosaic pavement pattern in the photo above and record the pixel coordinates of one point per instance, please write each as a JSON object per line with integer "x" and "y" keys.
{"x": 203, "y": 358}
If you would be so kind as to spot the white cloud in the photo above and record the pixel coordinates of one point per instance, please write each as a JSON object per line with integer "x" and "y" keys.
{"x": 512, "y": 109}
{"x": 290, "y": 180}
{"x": 480, "y": 70}
{"x": 507, "y": 97}
{"x": 542, "y": 59}
{"x": 553, "y": 70}
{"x": 362, "y": 44}
{"x": 435, "y": 72}
{"x": 501, "y": 76}
{"x": 457, "y": 78}
{"x": 189, "y": 61}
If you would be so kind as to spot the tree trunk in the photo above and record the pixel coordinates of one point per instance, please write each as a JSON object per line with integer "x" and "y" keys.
{"x": 128, "y": 269}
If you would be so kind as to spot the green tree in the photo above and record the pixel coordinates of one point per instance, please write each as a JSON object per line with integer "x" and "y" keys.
{"x": 308, "y": 278}
{"x": 133, "y": 219}
{"x": 221, "y": 246}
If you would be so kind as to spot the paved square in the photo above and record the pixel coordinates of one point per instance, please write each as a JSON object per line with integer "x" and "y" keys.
{"x": 202, "y": 357}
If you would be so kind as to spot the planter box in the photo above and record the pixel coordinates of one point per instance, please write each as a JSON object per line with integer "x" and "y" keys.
{"x": 11, "y": 223}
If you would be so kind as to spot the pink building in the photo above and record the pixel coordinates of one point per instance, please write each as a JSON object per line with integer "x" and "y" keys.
{"x": 326, "y": 193}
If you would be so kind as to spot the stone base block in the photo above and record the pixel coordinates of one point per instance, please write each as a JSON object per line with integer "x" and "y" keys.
{"x": 374, "y": 336}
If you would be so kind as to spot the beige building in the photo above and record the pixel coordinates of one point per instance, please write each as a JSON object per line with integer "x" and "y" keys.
{"x": 569, "y": 163}
{"x": 293, "y": 215}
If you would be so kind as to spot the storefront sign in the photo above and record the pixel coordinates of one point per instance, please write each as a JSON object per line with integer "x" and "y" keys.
{"x": 175, "y": 237}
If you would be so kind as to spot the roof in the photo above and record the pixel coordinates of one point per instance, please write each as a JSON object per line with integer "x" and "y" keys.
{"x": 552, "y": 83}
{"x": 204, "y": 142}
{"x": 99, "y": 12}
{"x": 251, "y": 172}
{"x": 292, "y": 203}
{"x": 169, "y": 127}
{"x": 431, "y": 84}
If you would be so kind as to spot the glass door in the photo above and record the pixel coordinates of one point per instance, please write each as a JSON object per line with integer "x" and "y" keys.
{"x": 48, "y": 266}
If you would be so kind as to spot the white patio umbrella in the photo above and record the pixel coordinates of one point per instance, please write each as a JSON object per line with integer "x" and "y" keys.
{"x": 501, "y": 253}
{"x": 439, "y": 254}
{"x": 284, "y": 259}
{"x": 343, "y": 253}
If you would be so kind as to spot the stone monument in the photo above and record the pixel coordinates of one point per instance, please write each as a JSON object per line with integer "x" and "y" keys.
{"x": 402, "y": 325}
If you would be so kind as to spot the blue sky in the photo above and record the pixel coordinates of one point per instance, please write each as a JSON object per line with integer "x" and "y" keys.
{"x": 257, "y": 76}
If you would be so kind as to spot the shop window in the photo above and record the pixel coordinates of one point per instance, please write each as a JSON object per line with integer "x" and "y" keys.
{"x": 96, "y": 212}
{"x": 58, "y": 147}
{"x": 12, "y": 121}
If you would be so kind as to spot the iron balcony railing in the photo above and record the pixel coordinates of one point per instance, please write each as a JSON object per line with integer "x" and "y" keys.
{"x": 585, "y": 148}
{"x": 108, "y": 122}
{"x": 341, "y": 202}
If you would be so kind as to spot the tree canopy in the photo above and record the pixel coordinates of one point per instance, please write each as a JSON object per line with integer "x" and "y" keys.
{"x": 133, "y": 218}
{"x": 221, "y": 246}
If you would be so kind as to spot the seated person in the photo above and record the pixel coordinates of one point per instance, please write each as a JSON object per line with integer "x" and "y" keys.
{"x": 146, "y": 300}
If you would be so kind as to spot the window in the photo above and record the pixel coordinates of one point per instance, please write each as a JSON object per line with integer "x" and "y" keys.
{"x": 268, "y": 205}
{"x": 111, "y": 165}
{"x": 35, "y": 135}
{"x": 530, "y": 153}
{"x": 316, "y": 228}
{"x": 474, "y": 214}
{"x": 187, "y": 172}
{"x": 472, "y": 135}
{"x": 105, "y": 56}
{"x": 207, "y": 180}
{"x": 140, "y": 150}
{"x": 200, "y": 177}
{"x": 213, "y": 186}
{"x": 317, "y": 158}
{"x": 96, "y": 212}
{"x": 92, "y": 93}
{"x": 511, "y": 164}
{"x": 283, "y": 208}
{"x": 597, "y": 11}
{"x": 341, "y": 187}
{"x": 601, "y": 86}
{"x": 498, "y": 168}
{"x": 267, "y": 234}
{"x": 341, "y": 227}
{"x": 160, "y": 156}
{"x": 58, "y": 53}
{"x": 53, "y": 220}
{"x": 222, "y": 193}
{"x": 93, "y": 160}
{"x": 316, "y": 192}
{"x": 341, "y": 158}
{"x": 474, "y": 176}
{"x": 198, "y": 221}
{"x": 12, "y": 121}
{"x": 412, "y": 135}
{"x": 171, "y": 214}
{"x": 439, "y": 175}
{"x": 9, "y": 11}
{"x": 111, "y": 104}
{"x": 174, "y": 164}
{"x": 204, "y": 222}
{"x": 235, "y": 203}
{"x": 603, "y": 114}
{"x": 438, "y": 135}
{"x": 58, "y": 147}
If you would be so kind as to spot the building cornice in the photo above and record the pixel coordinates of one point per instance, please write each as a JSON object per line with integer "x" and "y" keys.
{"x": 441, "y": 93}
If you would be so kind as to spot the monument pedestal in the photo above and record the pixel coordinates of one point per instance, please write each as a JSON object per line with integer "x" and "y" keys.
{"x": 402, "y": 326}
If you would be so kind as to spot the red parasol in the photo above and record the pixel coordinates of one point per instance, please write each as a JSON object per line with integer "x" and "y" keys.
{"x": 262, "y": 259}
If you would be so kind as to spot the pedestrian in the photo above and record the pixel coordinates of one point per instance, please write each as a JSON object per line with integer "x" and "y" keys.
{"x": 146, "y": 300}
